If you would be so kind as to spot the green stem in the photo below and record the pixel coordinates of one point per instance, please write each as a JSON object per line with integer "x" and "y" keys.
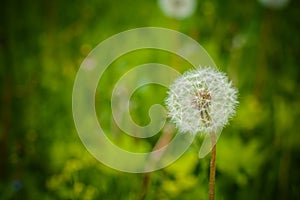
{"x": 212, "y": 167}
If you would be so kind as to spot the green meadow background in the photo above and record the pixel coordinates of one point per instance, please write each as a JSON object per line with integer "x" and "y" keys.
{"x": 42, "y": 44}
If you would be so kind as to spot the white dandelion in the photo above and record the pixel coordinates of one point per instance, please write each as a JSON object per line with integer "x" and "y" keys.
{"x": 274, "y": 4}
{"x": 202, "y": 100}
{"x": 179, "y": 9}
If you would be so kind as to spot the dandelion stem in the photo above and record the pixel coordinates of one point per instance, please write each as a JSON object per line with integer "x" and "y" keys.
{"x": 212, "y": 167}
{"x": 145, "y": 185}
{"x": 166, "y": 137}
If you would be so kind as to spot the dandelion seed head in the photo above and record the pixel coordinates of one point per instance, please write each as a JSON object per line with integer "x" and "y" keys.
{"x": 202, "y": 100}
{"x": 274, "y": 4}
{"x": 178, "y": 9}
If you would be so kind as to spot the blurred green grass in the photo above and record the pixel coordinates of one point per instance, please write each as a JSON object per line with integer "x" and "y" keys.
{"x": 42, "y": 45}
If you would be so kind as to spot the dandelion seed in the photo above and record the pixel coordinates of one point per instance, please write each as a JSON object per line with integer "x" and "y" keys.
{"x": 202, "y": 100}
{"x": 179, "y": 9}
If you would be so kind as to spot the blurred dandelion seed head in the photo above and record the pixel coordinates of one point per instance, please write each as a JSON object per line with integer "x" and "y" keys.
{"x": 202, "y": 100}
{"x": 274, "y": 4}
{"x": 179, "y": 9}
